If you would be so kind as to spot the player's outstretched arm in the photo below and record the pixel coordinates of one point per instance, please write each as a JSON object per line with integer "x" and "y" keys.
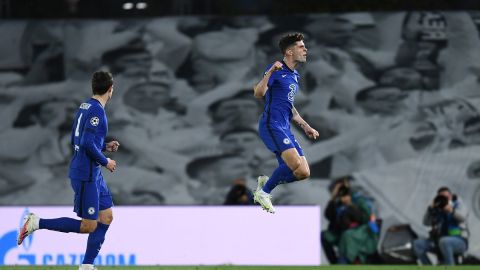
{"x": 311, "y": 132}
{"x": 261, "y": 87}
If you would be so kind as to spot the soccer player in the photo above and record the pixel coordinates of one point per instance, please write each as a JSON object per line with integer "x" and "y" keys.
{"x": 93, "y": 201}
{"x": 278, "y": 88}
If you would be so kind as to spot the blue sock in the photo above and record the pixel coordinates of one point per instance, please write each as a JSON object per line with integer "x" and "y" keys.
{"x": 63, "y": 224}
{"x": 281, "y": 175}
{"x": 94, "y": 243}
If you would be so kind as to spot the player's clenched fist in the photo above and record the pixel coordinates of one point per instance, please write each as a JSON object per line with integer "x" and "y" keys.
{"x": 275, "y": 67}
{"x": 111, "y": 165}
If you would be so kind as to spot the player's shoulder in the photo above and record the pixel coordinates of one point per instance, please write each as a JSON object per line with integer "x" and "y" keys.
{"x": 85, "y": 105}
{"x": 94, "y": 106}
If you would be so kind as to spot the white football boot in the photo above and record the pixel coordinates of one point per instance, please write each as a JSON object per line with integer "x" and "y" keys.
{"x": 87, "y": 267}
{"x": 261, "y": 180}
{"x": 30, "y": 224}
{"x": 261, "y": 197}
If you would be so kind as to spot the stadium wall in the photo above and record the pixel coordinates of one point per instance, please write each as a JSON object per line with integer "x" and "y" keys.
{"x": 183, "y": 235}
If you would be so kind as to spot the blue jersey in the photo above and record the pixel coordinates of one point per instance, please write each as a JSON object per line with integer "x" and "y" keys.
{"x": 280, "y": 95}
{"x": 88, "y": 140}
{"x": 274, "y": 124}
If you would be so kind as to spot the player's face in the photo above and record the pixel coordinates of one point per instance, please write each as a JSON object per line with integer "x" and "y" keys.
{"x": 299, "y": 52}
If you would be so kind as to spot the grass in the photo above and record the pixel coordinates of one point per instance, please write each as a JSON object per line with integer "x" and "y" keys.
{"x": 232, "y": 267}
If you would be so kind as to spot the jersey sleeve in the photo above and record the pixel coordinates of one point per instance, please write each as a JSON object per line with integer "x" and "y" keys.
{"x": 93, "y": 124}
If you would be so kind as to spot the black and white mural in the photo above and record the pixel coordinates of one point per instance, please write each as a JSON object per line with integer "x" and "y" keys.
{"x": 395, "y": 97}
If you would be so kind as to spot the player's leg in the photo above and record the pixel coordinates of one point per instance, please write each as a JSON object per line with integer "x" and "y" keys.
{"x": 96, "y": 238}
{"x": 32, "y": 222}
{"x": 105, "y": 218}
{"x": 85, "y": 205}
{"x": 296, "y": 163}
{"x": 82, "y": 190}
{"x": 292, "y": 164}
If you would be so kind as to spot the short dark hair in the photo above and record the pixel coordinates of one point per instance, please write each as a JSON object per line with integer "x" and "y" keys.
{"x": 289, "y": 40}
{"x": 101, "y": 82}
{"x": 444, "y": 188}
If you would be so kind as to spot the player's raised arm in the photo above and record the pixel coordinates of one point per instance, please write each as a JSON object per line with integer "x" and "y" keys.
{"x": 311, "y": 132}
{"x": 261, "y": 87}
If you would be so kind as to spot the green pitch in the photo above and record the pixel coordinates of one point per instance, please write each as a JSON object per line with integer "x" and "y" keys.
{"x": 228, "y": 267}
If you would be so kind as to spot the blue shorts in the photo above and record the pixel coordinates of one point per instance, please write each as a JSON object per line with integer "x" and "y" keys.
{"x": 91, "y": 197}
{"x": 277, "y": 138}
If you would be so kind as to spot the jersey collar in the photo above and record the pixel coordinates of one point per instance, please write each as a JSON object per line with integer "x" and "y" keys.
{"x": 285, "y": 65}
{"x": 100, "y": 103}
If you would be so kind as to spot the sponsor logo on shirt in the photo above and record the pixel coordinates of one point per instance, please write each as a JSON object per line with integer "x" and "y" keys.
{"x": 85, "y": 106}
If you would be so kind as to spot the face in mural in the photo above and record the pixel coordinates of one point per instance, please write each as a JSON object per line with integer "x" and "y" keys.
{"x": 383, "y": 100}
{"x": 148, "y": 97}
{"x": 448, "y": 124}
{"x": 243, "y": 142}
{"x": 423, "y": 136}
{"x": 473, "y": 173}
{"x": 402, "y": 77}
{"x": 471, "y": 131}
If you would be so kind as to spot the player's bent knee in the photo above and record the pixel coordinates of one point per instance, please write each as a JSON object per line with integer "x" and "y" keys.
{"x": 106, "y": 219}
{"x": 88, "y": 226}
{"x": 302, "y": 174}
{"x": 302, "y": 171}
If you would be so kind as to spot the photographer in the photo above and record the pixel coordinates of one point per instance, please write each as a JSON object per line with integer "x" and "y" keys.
{"x": 349, "y": 238}
{"x": 449, "y": 234}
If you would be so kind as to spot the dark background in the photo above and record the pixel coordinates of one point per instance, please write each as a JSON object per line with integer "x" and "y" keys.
{"x": 50, "y": 9}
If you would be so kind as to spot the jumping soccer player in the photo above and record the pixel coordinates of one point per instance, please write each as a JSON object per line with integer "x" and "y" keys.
{"x": 278, "y": 88}
{"x": 93, "y": 201}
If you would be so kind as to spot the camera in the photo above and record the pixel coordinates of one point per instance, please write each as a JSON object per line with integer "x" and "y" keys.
{"x": 440, "y": 202}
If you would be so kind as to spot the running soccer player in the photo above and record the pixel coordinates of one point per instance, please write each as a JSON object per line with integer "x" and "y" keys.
{"x": 278, "y": 88}
{"x": 93, "y": 201}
